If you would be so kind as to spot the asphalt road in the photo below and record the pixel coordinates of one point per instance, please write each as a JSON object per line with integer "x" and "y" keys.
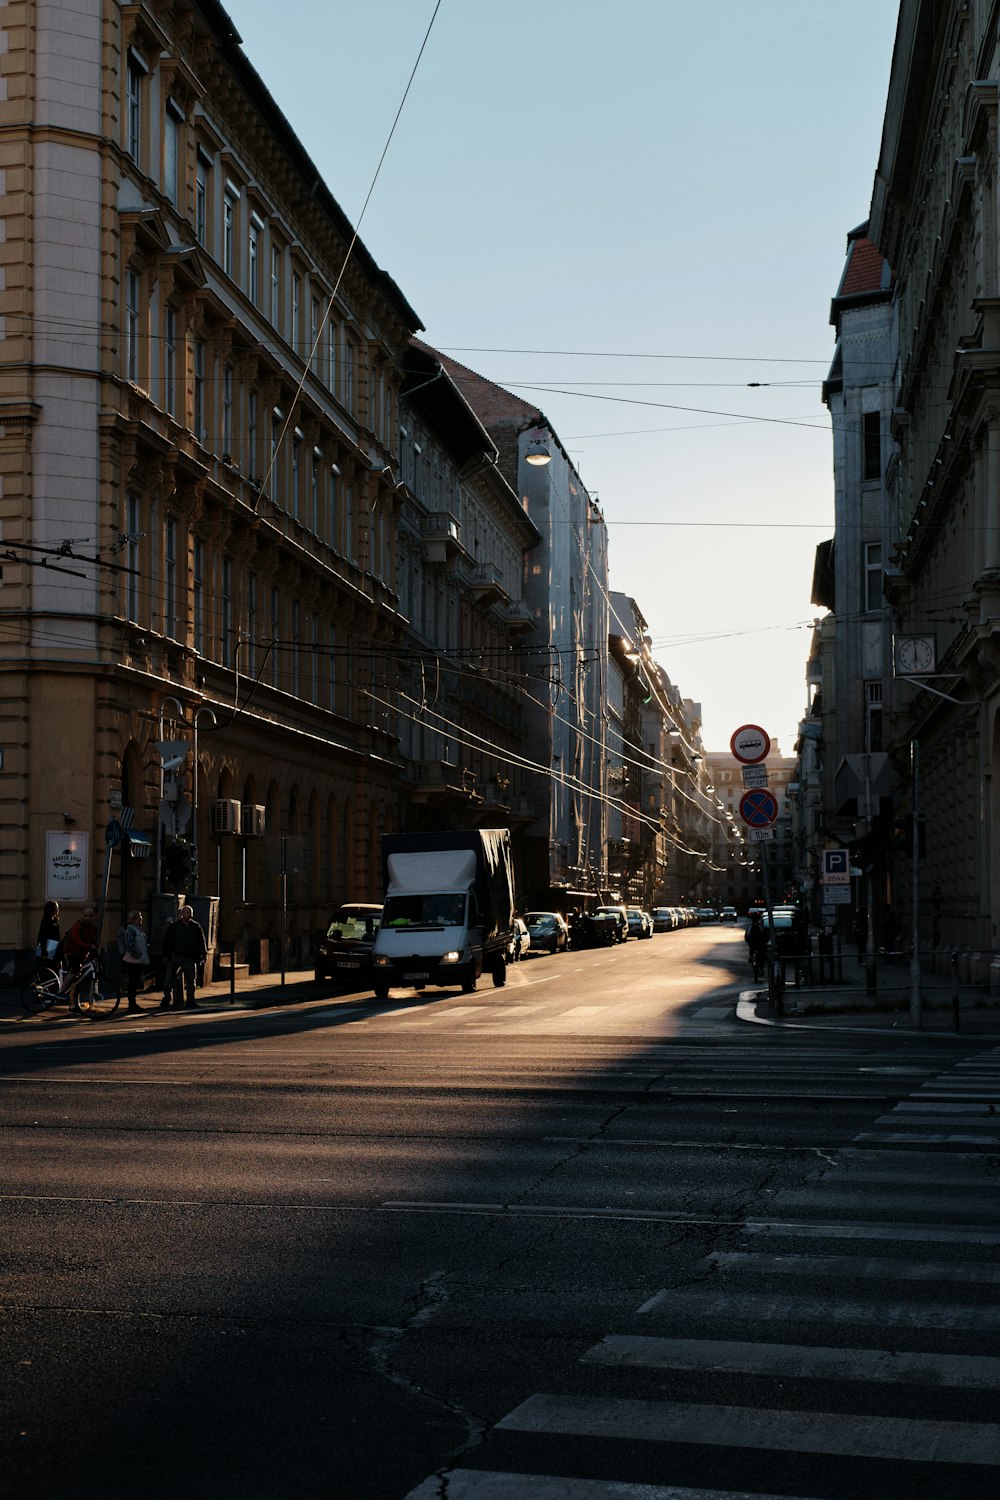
{"x": 556, "y": 1242}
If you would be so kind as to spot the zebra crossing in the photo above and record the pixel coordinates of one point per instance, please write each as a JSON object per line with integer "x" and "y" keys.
{"x": 800, "y": 1356}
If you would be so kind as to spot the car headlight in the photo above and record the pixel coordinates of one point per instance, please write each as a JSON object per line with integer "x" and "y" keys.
{"x": 322, "y": 948}
{"x": 381, "y": 962}
{"x": 453, "y": 957}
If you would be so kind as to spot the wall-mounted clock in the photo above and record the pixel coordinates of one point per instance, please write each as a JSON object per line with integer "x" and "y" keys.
{"x": 915, "y": 655}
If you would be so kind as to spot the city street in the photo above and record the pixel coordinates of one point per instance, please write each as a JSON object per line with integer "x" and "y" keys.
{"x": 586, "y": 1236}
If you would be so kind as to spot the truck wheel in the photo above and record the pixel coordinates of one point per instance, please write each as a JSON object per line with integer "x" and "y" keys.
{"x": 499, "y": 974}
{"x": 381, "y": 991}
{"x": 469, "y": 982}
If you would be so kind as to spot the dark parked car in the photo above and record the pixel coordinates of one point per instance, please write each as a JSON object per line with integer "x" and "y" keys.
{"x": 344, "y": 954}
{"x": 548, "y": 930}
{"x": 620, "y": 916}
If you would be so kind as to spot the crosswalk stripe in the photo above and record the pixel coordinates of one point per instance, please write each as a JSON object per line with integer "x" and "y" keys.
{"x": 923, "y": 1233}
{"x": 884, "y": 1267}
{"x": 832, "y": 1433}
{"x": 928, "y": 1137}
{"x": 751, "y": 1306}
{"x": 797, "y": 1361}
{"x": 833, "y": 1199}
{"x": 486, "y": 1484}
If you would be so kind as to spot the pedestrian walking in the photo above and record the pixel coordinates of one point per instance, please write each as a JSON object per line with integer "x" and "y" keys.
{"x": 48, "y": 940}
{"x": 185, "y": 950}
{"x": 756, "y": 940}
{"x": 134, "y": 949}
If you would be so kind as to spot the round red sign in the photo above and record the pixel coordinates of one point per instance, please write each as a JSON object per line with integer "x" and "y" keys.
{"x": 750, "y": 744}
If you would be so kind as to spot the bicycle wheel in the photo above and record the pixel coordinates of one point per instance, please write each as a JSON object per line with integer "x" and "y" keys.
{"x": 41, "y": 992}
{"x": 91, "y": 1000}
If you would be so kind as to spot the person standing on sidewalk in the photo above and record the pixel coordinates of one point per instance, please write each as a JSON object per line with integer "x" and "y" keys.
{"x": 756, "y": 939}
{"x": 135, "y": 957}
{"x": 184, "y": 950}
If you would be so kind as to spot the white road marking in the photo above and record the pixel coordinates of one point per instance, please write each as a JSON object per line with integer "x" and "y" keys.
{"x": 798, "y": 1361}
{"x": 485, "y": 1484}
{"x": 850, "y": 1435}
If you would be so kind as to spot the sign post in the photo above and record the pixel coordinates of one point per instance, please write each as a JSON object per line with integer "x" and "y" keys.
{"x": 751, "y": 746}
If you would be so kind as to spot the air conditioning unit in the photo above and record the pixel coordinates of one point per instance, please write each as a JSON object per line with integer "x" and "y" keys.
{"x": 252, "y": 820}
{"x": 225, "y": 817}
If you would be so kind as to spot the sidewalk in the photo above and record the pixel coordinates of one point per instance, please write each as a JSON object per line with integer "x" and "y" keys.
{"x": 847, "y": 1007}
{"x": 256, "y": 992}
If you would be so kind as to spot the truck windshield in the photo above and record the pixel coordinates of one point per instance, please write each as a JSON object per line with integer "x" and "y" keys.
{"x": 424, "y": 911}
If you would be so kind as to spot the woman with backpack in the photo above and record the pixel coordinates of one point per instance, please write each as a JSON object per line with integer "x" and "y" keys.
{"x": 134, "y": 949}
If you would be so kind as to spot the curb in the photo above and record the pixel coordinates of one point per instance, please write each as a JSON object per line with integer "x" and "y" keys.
{"x": 747, "y": 1010}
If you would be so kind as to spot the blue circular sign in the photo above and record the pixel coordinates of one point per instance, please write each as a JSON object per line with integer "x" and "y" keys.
{"x": 758, "y": 807}
{"x": 113, "y": 834}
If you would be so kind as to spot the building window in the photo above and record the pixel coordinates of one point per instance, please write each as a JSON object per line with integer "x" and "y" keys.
{"x": 229, "y": 230}
{"x": 203, "y": 169}
{"x": 134, "y": 81}
{"x": 296, "y": 623}
{"x": 170, "y": 578}
{"x": 198, "y": 596}
{"x": 872, "y": 458}
{"x": 227, "y": 413}
{"x": 252, "y": 435}
{"x": 296, "y": 311}
{"x": 331, "y": 508}
{"x": 349, "y": 522}
{"x": 275, "y": 636}
{"x": 349, "y": 373}
{"x": 314, "y": 492}
{"x": 275, "y": 286}
{"x": 170, "y": 361}
{"x": 200, "y": 356}
{"x": 873, "y": 575}
{"x": 132, "y": 559}
{"x": 873, "y": 716}
{"x": 251, "y": 624}
{"x": 297, "y": 474}
{"x": 227, "y": 612}
{"x": 132, "y": 327}
{"x": 331, "y": 354}
{"x": 253, "y": 265}
{"x": 172, "y": 122}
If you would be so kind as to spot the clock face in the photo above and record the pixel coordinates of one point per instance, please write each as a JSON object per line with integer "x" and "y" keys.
{"x": 915, "y": 654}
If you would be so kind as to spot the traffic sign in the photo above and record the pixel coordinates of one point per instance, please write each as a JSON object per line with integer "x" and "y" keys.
{"x": 835, "y": 867}
{"x": 755, "y": 776}
{"x": 759, "y": 835}
{"x": 758, "y": 807}
{"x": 113, "y": 834}
{"x": 750, "y": 744}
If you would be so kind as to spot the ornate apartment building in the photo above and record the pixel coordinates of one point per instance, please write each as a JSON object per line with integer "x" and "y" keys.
{"x": 223, "y": 597}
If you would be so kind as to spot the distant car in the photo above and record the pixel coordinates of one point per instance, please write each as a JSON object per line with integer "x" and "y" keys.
{"x": 548, "y": 929}
{"x": 344, "y": 952}
{"x": 520, "y": 941}
{"x": 707, "y": 914}
{"x": 620, "y": 916}
{"x": 664, "y": 919}
{"x": 729, "y": 914}
{"x": 640, "y": 923}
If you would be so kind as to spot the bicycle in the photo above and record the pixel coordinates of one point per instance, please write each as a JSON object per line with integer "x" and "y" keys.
{"x": 82, "y": 991}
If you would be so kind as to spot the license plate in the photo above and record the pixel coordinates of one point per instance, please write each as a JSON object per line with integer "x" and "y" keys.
{"x": 414, "y": 978}
{"x": 348, "y": 963}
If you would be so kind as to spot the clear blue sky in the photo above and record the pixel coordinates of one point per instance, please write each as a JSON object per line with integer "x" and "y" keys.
{"x": 614, "y": 180}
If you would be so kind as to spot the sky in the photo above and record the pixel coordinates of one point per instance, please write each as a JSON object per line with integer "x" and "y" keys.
{"x": 635, "y": 215}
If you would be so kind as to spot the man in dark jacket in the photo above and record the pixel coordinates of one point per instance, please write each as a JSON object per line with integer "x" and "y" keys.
{"x": 184, "y": 952}
{"x": 756, "y": 940}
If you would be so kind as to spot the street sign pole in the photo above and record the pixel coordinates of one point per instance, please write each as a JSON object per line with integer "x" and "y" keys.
{"x": 916, "y": 994}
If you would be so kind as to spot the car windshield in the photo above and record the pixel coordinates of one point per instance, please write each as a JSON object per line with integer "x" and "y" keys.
{"x": 438, "y": 910}
{"x": 352, "y": 927}
{"x": 542, "y": 924}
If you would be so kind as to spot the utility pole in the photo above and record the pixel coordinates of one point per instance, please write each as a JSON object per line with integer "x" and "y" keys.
{"x": 916, "y": 995}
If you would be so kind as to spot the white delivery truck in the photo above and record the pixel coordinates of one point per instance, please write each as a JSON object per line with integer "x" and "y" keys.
{"x": 449, "y": 909}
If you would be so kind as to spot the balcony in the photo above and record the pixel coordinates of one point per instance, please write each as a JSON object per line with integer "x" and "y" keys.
{"x": 487, "y": 586}
{"x": 441, "y": 781}
{"x": 518, "y": 617}
{"x": 442, "y": 537}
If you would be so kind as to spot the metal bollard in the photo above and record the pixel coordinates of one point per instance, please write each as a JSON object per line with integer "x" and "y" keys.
{"x": 954, "y": 989}
{"x": 232, "y": 973}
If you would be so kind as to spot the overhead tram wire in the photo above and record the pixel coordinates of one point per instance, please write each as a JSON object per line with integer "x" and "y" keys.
{"x": 290, "y": 418}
